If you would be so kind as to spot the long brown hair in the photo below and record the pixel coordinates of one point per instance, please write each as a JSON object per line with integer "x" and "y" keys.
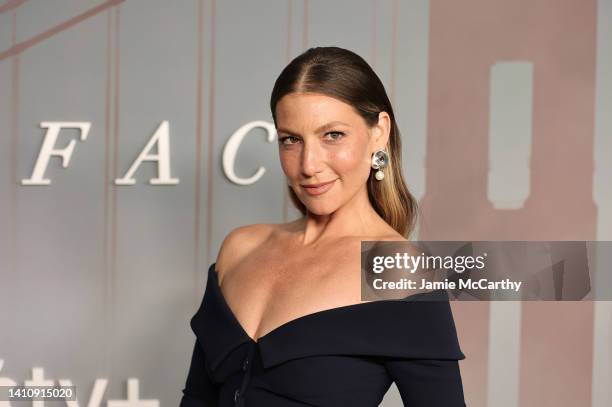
{"x": 344, "y": 75}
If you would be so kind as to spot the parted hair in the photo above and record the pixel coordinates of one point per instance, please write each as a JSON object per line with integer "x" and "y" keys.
{"x": 346, "y": 76}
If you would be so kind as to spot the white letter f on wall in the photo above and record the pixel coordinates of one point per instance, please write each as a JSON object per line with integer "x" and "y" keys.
{"x": 47, "y": 150}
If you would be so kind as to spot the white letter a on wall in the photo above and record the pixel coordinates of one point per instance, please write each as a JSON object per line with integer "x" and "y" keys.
{"x": 161, "y": 137}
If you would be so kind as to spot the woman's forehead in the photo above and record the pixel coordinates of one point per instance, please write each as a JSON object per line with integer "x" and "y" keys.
{"x": 313, "y": 111}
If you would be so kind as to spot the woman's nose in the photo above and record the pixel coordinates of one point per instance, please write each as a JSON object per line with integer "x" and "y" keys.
{"x": 312, "y": 159}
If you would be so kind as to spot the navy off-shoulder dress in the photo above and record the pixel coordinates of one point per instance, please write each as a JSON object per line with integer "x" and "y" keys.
{"x": 346, "y": 356}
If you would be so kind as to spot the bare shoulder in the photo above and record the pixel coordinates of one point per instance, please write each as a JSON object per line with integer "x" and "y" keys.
{"x": 395, "y": 240}
{"x": 387, "y": 233}
{"x": 395, "y": 237}
{"x": 239, "y": 242}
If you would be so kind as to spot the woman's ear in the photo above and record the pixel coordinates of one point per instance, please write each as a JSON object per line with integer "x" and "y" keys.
{"x": 382, "y": 130}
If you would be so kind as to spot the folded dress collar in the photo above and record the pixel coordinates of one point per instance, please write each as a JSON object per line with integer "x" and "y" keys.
{"x": 420, "y": 326}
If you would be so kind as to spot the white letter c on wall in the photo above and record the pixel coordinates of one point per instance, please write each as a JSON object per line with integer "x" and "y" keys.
{"x": 231, "y": 148}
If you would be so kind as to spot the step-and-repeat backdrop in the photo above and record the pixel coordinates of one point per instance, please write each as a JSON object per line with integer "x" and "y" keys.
{"x": 118, "y": 185}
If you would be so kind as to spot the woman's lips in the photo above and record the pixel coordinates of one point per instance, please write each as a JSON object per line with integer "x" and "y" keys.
{"x": 319, "y": 189}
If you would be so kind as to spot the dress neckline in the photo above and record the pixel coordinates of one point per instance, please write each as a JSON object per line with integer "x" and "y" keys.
{"x": 383, "y": 327}
{"x": 213, "y": 272}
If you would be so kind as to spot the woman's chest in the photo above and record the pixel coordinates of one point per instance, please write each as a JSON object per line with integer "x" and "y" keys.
{"x": 273, "y": 287}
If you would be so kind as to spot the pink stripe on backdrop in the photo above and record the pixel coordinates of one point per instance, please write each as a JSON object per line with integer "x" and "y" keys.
{"x": 23, "y": 45}
{"x": 288, "y": 57}
{"x": 115, "y": 172}
{"x": 10, "y": 5}
{"x": 472, "y": 321}
{"x": 198, "y": 164}
{"x": 374, "y": 34}
{"x": 556, "y": 354}
{"x": 211, "y": 136}
{"x": 558, "y": 37}
{"x": 14, "y": 146}
{"x": 108, "y": 317}
{"x": 394, "y": 15}
{"x": 305, "y": 27}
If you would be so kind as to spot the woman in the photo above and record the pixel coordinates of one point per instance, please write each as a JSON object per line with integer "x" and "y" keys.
{"x": 282, "y": 322}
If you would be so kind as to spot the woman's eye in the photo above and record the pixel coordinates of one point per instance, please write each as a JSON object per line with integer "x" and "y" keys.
{"x": 289, "y": 140}
{"x": 338, "y": 134}
{"x": 283, "y": 140}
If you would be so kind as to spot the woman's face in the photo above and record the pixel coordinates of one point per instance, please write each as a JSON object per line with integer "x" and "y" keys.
{"x": 323, "y": 140}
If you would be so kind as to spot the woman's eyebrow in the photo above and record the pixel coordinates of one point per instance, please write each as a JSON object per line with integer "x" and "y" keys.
{"x": 318, "y": 130}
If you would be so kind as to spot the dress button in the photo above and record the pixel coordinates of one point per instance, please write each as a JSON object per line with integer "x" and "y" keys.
{"x": 245, "y": 364}
{"x": 236, "y": 395}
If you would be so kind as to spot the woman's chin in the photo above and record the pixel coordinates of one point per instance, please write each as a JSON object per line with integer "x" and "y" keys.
{"x": 318, "y": 208}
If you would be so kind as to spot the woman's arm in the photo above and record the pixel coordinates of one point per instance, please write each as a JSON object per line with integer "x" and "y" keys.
{"x": 427, "y": 382}
{"x": 199, "y": 389}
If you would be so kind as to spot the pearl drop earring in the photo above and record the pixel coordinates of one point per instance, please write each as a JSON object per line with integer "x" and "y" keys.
{"x": 380, "y": 159}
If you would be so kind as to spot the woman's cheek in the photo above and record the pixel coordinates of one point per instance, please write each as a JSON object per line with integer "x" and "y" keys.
{"x": 346, "y": 160}
{"x": 351, "y": 163}
{"x": 288, "y": 164}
